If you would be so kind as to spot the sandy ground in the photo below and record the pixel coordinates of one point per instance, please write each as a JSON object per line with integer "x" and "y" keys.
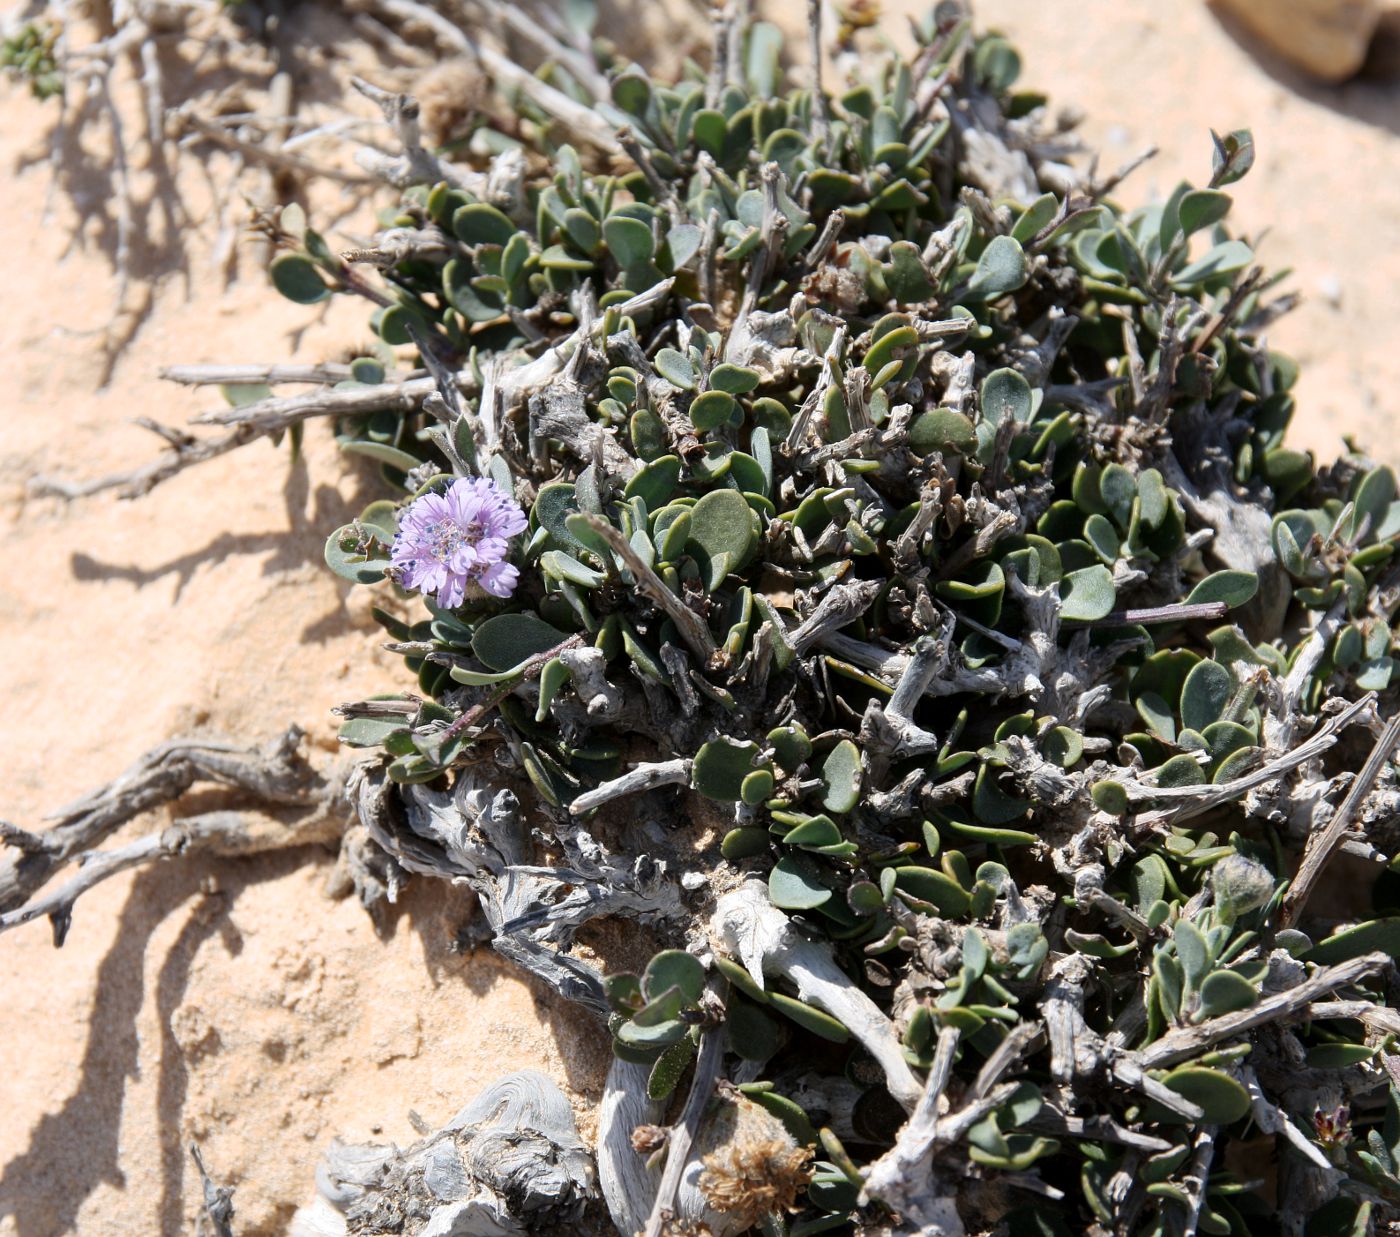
{"x": 243, "y": 1009}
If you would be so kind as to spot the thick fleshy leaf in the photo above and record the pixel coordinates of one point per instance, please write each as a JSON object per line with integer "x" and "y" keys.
{"x": 629, "y": 240}
{"x": 1377, "y": 934}
{"x": 482, "y": 224}
{"x": 943, "y": 430}
{"x": 1205, "y": 694}
{"x": 793, "y": 887}
{"x": 1006, "y": 395}
{"x": 721, "y": 765}
{"x": 1223, "y": 259}
{"x": 506, "y": 640}
{"x": 295, "y": 276}
{"x": 712, "y": 409}
{"x": 841, "y": 777}
{"x": 809, "y": 1018}
{"x": 1234, "y": 588}
{"x": 721, "y": 534}
{"x": 1193, "y": 951}
{"x": 674, "y": 968}
{"x": 343, "y": 557}
{"x": 1087, "y": 594}
{"x": 1000, "y": 269}
{"x": 1223, "y": 992}
{"x": 935, "y": 887}
{"x": 735, "y": 379}
{"x": 1219, "y": 1096}
{"x": 670, "y": 1068}
{"x": 676, "y": 368}
{"x": 1201, "y": 208}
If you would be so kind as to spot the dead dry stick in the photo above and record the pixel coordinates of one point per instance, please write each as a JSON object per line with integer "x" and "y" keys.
{"x": 1182, "y": 613}
{"x": 218, "y": 1199}
{"x": 1186, "y": 1042}
{"x": 213, "y": 833}
{"x": 324, "y": 374}
{"x": 527, "y": 27}
{"x": 820, "y": 114}
{"x": 682, "y": 1134}
{"x": 1193, "y": 800}
{"x": 250, "y": 422}
{"x": 643, "y": 777}
{"x": 691, "y": 626}
{"x": 267, "y": 155}
{"x": 755, "y": 931}
{"x": 583, "y": 121}
{"x": 275, "y": 774}
{"x": 1322, "y": 846}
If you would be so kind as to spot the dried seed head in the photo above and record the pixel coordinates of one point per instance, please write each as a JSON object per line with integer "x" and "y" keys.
{"x": 756, "y": 1178}
{"x": 756, "y": 1168}
{"x": 449, "y": 95}
{"x": 1241, "y": 885}
{"x": 648, "y": 1139}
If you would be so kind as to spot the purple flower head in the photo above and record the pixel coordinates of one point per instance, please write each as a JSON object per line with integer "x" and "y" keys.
{"x": 447, "y": 541}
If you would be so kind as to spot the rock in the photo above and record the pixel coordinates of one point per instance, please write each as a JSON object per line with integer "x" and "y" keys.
{"x": 1384, "y": 58}
{"x": 1327, "y": 39}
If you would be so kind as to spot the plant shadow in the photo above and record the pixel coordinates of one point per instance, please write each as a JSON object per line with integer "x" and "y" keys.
{"x": 43, "y": 1189}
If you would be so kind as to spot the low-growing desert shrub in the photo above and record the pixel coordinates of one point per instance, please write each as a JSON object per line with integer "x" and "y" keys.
{"x": 828, "y": 529}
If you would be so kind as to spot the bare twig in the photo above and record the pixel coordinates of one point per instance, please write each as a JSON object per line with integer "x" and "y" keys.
{"x": 820, "y": 112}
{"x": 643, "y": 777}
{"x": 751, "y": 928}
{"x": 275, "y": 774}
{"x": 1180, "y": 613}
{"x": 1186, "y": 1042}
{"x": 1323, "y": 845}
{"x": 583, "y": 121}
{"x": 273, "y": 157}
{"x": 217, "y": 833}
{"x": 324, "y": 374}
{"x": 1193, "y": 800}
{"x": 692, "y": 627}
{"x": 250, "y": 422}
{"x": 682, "y": 1134}
{"x": 837, "y": 609}
{"x": 218, "y": 1199}
{"x": 1196, "y": 1181}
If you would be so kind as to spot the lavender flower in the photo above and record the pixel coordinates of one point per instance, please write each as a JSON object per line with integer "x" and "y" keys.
{"x": 447, "y": 541}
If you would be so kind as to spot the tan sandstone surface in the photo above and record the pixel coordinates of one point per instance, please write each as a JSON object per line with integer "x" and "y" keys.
{"x": 233, "y": 1004}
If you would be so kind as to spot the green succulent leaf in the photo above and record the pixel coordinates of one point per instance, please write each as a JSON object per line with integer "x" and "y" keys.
{"x": 482, "y": 224}
{"x": 295, "y": 276}
{"x": 1087, "y": 595}
{"x": 1234, "y": 588}
{"x": 1205, "y": 694}
{"x": 1219, "y": 1096}
{"x": 628, "y": 240}
{"x": 841, "y": 777}
{"x": 1000, "y": 269}
{"x": 722, "y": 535}
{"x": 674, "y": 968}
{"x": 1006, "y": 395}
{"x": 507, "y": 640}
{"x": 793, "y": 887}
{"x": 721, "y": 765}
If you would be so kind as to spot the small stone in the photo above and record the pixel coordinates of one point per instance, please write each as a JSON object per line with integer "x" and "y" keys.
{"x": 1329, "y": 287}
{"x": 1328, "y": 39}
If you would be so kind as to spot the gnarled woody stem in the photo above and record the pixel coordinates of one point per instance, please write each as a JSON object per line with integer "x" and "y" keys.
{"x": 749, "y": 926}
